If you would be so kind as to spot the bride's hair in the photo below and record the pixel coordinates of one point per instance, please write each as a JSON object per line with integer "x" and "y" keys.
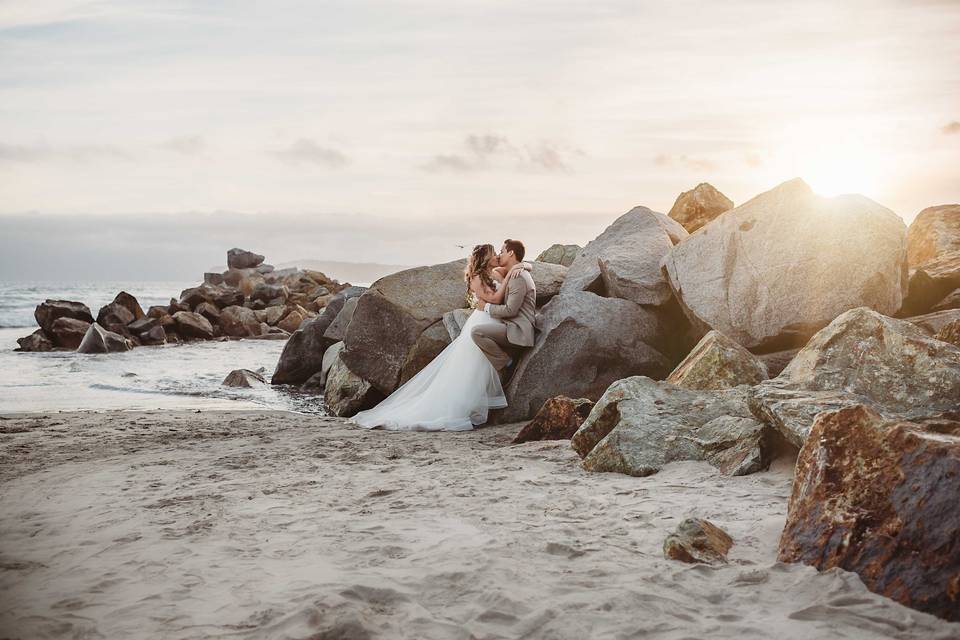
{"x": 477, "y": 265}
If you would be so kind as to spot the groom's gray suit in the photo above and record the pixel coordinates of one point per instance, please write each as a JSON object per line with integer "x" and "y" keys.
{"x": 517, "y": 313}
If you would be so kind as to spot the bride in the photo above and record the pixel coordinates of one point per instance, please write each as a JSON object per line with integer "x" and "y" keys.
{"x": 459, "y": 387}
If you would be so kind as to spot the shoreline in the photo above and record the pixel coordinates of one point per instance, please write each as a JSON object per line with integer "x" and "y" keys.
{"x": 274, "y": 524}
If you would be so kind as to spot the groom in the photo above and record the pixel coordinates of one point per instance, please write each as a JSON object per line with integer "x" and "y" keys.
{"x": 516, "y": 312}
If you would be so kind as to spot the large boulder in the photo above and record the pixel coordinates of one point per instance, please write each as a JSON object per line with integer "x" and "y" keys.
{"x": 37, "y": 341}
{"x": 774, "y": 270}
{"x": 931, "y": 282}
{"x": 562, "y": 254}
{"x": 346, "y": 393}
{"x": 115, "y": 317}
{"x": 243, "y": 259}
{"x": 695, "y": 208}
{"x": 383, "y": 338}
{"x": 318, "y": 381}
{"x": 640, "y": 424}
{"x": 192, "y": 325}
{"x": 190, "y": 298}
{"x": 68, "y": 333}
{"x": 585, "y": 343}
{"x": 698, "y": 541}
{"x": 624, "y": 260}
{"x": 558, "y": 419}
{"x": 548, "y": 279}
{"x": 428, "y": 346}
{"x": 934, "y": 232}
{"x": 302, "y": 356}
{"x": 717, "y": 362}
{"x": 239, "y": 322}
{"x": 99, "y": 340}
{"x": 862, "y": 357}
{"x": 878, "y": 498}
{"x": 48, "y": 311}
{"x": 337, "y": 330}
{"x": 129, "y": 301}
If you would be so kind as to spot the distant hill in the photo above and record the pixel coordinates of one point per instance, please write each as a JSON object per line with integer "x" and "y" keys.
{"x": 352, "y": 272}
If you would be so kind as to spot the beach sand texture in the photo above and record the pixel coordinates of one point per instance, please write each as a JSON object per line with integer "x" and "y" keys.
{"x": 278, "y": 525}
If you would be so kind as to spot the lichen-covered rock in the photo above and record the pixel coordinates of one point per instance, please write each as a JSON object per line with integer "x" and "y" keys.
{"x": 640, "y": 424}
{"x": 700, "y": 205}
{"x": 698, "y": 541}
{"x": 624, "y": 261}
{"x": 99, "y": 340}
{"x": 239, "y": 322}
{"x": 558, "y": 419}
{"x": 585, "y": 343}
{"x": 243, "y": 378}
{"x": 950, "y": 333}
{"x": 303, "y": 354}
{"x": 193, "y": 325}
{"x": 562, "y": 254}
{"x": 773, "y": 271}
{"x": 717, "y": 362}
{"x": 67, "y": 333}
{"x": 48, "y": 311}
{"x": 879, "y": 498}
{"x": 861, "y": 357}
{"x": 391, "y": 315}
{"x": 243, "y": 259}
{"x": 37, "y": 341}
{"x": 346, "y": 393}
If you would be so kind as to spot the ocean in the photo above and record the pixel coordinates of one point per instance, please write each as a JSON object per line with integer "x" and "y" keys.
{"x": 184, "y": 376}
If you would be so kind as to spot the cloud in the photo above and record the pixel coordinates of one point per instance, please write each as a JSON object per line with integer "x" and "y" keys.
{"x": 485, "y": 152}
{"x": 951, "y": 128}
{"x": 186, "y": 145}
{"x": 306, "y": 151}
{"x": 46, "y": 153}
{"x": 685, "y": 161}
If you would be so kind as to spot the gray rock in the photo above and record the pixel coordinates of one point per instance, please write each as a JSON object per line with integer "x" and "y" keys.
{"x": 777, "y": 361}
{"x": 242, "y": 259}
{"x": 454, "y": 321}
{"x": 585, "y": 343}
{"x": 337, "y": 330}
{"x": 640, "y": 424}
{"x": 695, "y": 208}
{"x": 548, "y": 279}
{"x": 243, "y": 378}
{"x": 269, "y": 292}
{"x": 48, "y": 311}
{"x": 264, "y": 269}
{"x": 99, "y": 340}
{"x": 392, "y": 314}
{"x": 153, "y": 336}
{"x": 303, "y": 354}
{"x": 776, "y": 269}
{"x": 862, "y": 357}
{"x": 717, "y": 362}
{"x": 318, "y": 381}
{"x": 213, "y": 278}
{"x": 428, "y": 346}
{"x": 346, "y": 393}
{"x": 239, "y": 322}
{"x": 624, "y": 260}
{"x": 68, "y": 333}
{"x": 193, "y": 325}
{"x": 562, "y": 254}
{"x": 36, "y": 341}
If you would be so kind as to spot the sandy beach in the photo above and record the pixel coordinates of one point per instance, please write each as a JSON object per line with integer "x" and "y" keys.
{"x": 279, "y": 525}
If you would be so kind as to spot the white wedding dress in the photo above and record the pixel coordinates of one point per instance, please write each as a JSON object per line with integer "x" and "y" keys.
{"x": 453, "y": 393}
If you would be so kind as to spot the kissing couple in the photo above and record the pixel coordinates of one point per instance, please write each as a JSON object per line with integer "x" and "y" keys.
{"x": 457, "y": 390}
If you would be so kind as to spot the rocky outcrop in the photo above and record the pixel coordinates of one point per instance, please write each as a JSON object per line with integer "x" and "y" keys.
{"x": 698, "y": 541}
{"x": 624, "y": 261}
{"x": 558, "y": 419}
{"x": 773, "y": 271}
{"x": 48, "y": 311}
{"x": 68, "y": 333}
{"x": 383, "y": 338}
{"x": 717, "y": 362}
{"x": 640, "y": 424}
{"x": 99, "y": 340}
{"x": 242, "y": 259}
{"x": 244, "y": 378}
{"x": 562, "y": 254}
{"x": 700, "y": 205}
{"x": 303, "y": 354}
{"x": 36, "y": 341}
{"x": 585, "y": 343}
{"x": 950, "y": 333}
{"x": 346, "y": 393}
{"x": 879, "y": 498}
{"x": 862, "y": 357}
{"x": 192, "y": 325}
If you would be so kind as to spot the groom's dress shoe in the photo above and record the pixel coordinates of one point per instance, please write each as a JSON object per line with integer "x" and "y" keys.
{"x": 508, "y": 372}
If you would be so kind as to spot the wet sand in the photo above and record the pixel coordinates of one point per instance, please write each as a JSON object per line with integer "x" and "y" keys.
{"x": 279, "y": 525}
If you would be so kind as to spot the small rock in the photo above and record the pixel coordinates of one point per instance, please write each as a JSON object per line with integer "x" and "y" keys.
{"x": 558, "y": 419}
{"x": 50, "y": 310}
{"x": 242, "y": 259}
{"x": 99, "y": 340}
{"x": 36, "y": 341}
{"x": 345, "y": 392}
{"x": 562, "y": 254}
{"x": 950, "y": 333}
{"x": 717, "y": 362}
{"x": 698, "y": 541}
{"x": 193, "y": 325}
{"x": 243, "y": 378}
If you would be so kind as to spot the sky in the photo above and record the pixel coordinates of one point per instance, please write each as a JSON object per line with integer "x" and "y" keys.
{"x": 153, "y": 135}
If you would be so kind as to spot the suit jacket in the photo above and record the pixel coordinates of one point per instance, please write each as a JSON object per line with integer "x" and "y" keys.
{"x": 518, "y": 309}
